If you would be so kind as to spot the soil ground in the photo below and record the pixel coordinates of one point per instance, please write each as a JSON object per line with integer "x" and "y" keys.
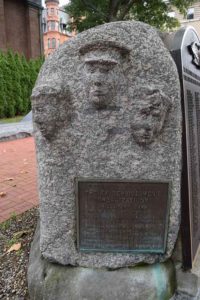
{"x": 18, "y": 231}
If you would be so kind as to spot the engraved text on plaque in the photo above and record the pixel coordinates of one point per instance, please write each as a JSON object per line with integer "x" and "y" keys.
{"x": 121, "y": 216}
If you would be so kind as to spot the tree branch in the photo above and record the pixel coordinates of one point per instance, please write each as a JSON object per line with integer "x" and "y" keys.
{"x": 113, "y": 8}
{"x": 94, "y": 8}
{"x": 126, "y": 9}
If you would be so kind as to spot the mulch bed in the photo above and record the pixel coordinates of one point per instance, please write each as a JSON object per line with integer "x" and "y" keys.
{"x": 14, "y": 264}
{"x": 18, "y": 231}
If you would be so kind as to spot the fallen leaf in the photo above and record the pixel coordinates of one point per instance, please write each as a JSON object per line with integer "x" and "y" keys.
{"x": 14, "y": 247}
{"x": 9, "y": 179}
{"x": 2, "y": 194}
{"x": 23, "y": 172}
{"x": 19, "y": 234}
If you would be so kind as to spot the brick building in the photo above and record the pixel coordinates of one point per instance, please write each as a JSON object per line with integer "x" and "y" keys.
{"x": 20, "y": 28}
{"x": 192, "y": 17}
{"x": 54, "y": 25}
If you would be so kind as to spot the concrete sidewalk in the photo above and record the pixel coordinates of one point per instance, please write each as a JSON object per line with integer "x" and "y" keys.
{"x": 18, "y": 182}
{"x": 15, "y": 130}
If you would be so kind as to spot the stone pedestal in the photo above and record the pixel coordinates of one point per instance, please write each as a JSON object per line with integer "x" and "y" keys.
{"x": 50, "y": 281}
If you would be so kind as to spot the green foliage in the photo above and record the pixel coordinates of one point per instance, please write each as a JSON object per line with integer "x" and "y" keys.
{"x": 3, "y": 103}
{"x": 12, "y": 242}
{"x": 17, "y": 78}
{"x": 89, "y": 13}
{"x": 6, "y": 224}
{"x": 12, "y": 120}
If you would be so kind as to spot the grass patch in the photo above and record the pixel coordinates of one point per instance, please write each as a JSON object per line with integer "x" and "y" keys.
{"x": 12, "y": 242}
{"x": 11, "y": 120}
{"x": 6, "y": 224}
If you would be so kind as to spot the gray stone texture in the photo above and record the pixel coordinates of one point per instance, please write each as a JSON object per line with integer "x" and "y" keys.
{"x": 183, "y": 296}
{"x": 187, "y": 284}
{"x": 106, "y": 105}
{"x": 48, "y": 281}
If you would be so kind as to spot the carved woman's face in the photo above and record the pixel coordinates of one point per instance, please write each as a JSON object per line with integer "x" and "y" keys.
{"x": 143, "y": 133}
{"x": 149, "y": 118}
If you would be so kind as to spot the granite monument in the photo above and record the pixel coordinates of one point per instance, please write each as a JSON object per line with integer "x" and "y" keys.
{"x": 107, "y": 115}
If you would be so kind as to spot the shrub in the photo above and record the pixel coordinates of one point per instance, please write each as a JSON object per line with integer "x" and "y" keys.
{"x": 17, "y": 79}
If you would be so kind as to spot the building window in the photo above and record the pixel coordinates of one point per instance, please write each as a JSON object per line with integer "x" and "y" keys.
{"x": 44, "y": 24}
{"x": 52, "y": 11}
{"x": 49, "y": 43}
{"x": 52, "y": 25}
{"x": 44, "y": 27}
{"x": 53, "y": 43}
{"x": 62, "y": 26}
{"x": 171, "y": 14}
{"x": 190, "y": 13}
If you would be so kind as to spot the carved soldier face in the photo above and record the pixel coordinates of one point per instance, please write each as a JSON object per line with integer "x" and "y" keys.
{"x": 100, "y": 81}
{"x": 150, "y": 117}
{"x": 103, "y": 69}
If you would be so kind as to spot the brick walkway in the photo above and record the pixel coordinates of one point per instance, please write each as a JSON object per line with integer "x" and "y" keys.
{"x": 18, "y": 183}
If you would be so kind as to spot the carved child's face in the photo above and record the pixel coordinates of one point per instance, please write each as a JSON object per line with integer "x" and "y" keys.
{"x": 150, "y": 117}
{"x": 45, "y": 117}
{"x": 48, "y": 112}
{"x": 100, "y": 81}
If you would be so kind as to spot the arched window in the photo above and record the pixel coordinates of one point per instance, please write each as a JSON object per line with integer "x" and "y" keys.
{"x": 190, "y": 13}
{"x": 49, "y": 43}
{"x": 52, "y": 25}
{"x": 53, "y": 43}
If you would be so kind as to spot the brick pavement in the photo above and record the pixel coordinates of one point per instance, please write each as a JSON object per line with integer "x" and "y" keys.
{"x": 18, "y": 181}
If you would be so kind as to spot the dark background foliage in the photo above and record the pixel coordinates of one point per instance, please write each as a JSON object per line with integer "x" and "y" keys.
{"x": 17, "y": 79}
{"x": 89, "y": 13}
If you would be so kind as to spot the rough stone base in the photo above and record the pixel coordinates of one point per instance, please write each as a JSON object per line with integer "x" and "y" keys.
{"x": 52, "y": 281}
{"x": 187, "y": 282}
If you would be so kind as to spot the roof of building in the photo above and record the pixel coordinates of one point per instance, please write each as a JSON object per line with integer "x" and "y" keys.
{"x": 36, "y": 2}
{"x": 62, "y": 8}
{"x": 64, "y": 17}
{"x": 57, "y": 1}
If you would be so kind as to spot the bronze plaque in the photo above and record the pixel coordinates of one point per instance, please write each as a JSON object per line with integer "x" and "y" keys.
{"x": 186, "y": 53}
{"x": 122, "y": 216}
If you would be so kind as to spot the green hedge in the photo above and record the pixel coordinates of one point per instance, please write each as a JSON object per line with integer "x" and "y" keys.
{"x": 17, "y": 79}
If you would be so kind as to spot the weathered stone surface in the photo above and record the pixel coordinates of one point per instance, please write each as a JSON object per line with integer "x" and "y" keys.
{"x": 183, "y": 296}
{"x": 187, "y": 282}
{"x": 48, "y": 281}
{"x": 106, "y": 105}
